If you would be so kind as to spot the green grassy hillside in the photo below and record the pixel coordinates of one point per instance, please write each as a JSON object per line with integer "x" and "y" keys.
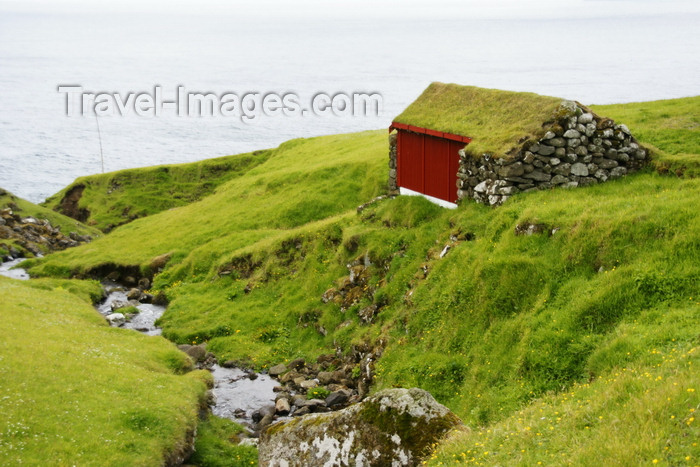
{"x": 593, "y": 315}
{"x": 76, "y": 392}
{"x": 301, "y": 182}
{"x": 671, "y": 126}
{"x": 108, "y": 200}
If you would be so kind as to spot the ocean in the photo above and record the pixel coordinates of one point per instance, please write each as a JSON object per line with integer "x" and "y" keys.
{"x": 593, "y": 60}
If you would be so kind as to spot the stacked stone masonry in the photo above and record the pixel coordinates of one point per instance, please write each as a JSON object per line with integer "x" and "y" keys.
{"x": 392, "y": 163}
{"x": 578, "y": 149}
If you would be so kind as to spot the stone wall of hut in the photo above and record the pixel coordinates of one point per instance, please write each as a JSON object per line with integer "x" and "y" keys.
{"x": 579, "y": 148}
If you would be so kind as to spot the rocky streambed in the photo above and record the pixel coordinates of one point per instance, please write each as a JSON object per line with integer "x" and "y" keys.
{"x": 304, "y": 413}
{"x": 256, "y": 400}
{"x": 237, "y": 393}
{"x": 253, "y": 399}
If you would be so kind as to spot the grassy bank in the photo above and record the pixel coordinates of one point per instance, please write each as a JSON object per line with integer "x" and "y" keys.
{"x": 77, "y": 392}
{"x": 112, "y": 199}
{"x": 671, "y": 126}
{"x": 593, "y": 315}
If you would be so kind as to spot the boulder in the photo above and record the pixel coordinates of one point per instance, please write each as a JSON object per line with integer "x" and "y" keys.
{"x": 116, "y": 319}
{"x": 278, "y": 369}
{"x": 325, "y": 377}
{"x": 297, "y": 363}
{"x": 117, "y": 304}
{"x": 133, "y": 294}
{"x": 312, "y": 403}
{"x": 282, "y": 406}
{"x": 197, "y": 352}
{"x": 393, "y": 427}
{"x": 308, "y": 384}
{"x": 262, "y": 412}
{"x": 367, "y": 313}
{"x": 338, "y": 397}
{"x": 290, "y": 376}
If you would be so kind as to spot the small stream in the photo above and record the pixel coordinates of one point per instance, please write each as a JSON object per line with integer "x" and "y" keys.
{"x": 17, "y": 273}
{"x": 144, "y": 321}
{"x": 237, "y": 393}
{"x": 237, "y": 396}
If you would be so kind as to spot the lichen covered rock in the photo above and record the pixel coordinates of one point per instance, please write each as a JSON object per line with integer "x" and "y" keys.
{"x": 394, "y": 427}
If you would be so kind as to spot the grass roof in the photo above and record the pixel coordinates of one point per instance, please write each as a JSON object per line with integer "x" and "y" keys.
{"x": 495, "y": 120}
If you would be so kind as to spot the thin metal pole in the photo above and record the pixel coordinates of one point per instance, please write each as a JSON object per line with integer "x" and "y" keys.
{"x": 99, "y": 135}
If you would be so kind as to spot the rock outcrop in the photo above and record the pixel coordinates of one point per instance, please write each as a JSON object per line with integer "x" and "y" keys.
{"x": 394, "y": 427}
{"x": 37, "y": 236}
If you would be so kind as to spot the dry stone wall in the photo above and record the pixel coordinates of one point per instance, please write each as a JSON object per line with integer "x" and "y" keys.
{"x": 392, "y": 163}
{"x": 580, "y": 148}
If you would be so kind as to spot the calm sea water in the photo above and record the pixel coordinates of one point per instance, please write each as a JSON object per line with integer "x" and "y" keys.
{"x": 595, "y": 61}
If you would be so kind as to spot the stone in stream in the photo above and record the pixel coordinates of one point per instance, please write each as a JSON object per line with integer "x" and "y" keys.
{"x": 146, "y": 298}
{"x": 298, "y": 400}
{"x": 115, "y": 319}
{"x": 282, "y": 406}
{"x": 338, "y": 397}
{"x": 197, "y": 352}
{"x": 313, "y": 403}
{"x": 260, "y": 413}
{"x": 117, "y": 304}
{"x": 393, "y": 427}
{"x": 133, "y": 294}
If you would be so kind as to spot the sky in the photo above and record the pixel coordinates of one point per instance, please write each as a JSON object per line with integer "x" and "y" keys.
{"x": 356, "y": 9}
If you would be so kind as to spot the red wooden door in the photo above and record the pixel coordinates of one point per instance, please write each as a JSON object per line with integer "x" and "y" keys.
{"x": 410, "y": 160}
{"x": 428, "y": 164}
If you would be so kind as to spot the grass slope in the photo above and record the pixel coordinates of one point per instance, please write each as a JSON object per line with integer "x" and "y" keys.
{"x": 77, "y": 392}
{"x": 117, "y": 198}
{"x": 302, "y": 181}
{"x": 671, "y": 126}
{"x": 582, "y": 322}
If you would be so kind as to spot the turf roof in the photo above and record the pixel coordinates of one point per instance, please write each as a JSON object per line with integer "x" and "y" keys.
{"x": 495, "y": 120}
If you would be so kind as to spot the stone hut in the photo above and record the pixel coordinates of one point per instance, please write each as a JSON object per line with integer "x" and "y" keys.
{"x": 491, "y": 144}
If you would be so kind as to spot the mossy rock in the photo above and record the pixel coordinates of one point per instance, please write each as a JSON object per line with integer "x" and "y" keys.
{"x": 392, "y": 427}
